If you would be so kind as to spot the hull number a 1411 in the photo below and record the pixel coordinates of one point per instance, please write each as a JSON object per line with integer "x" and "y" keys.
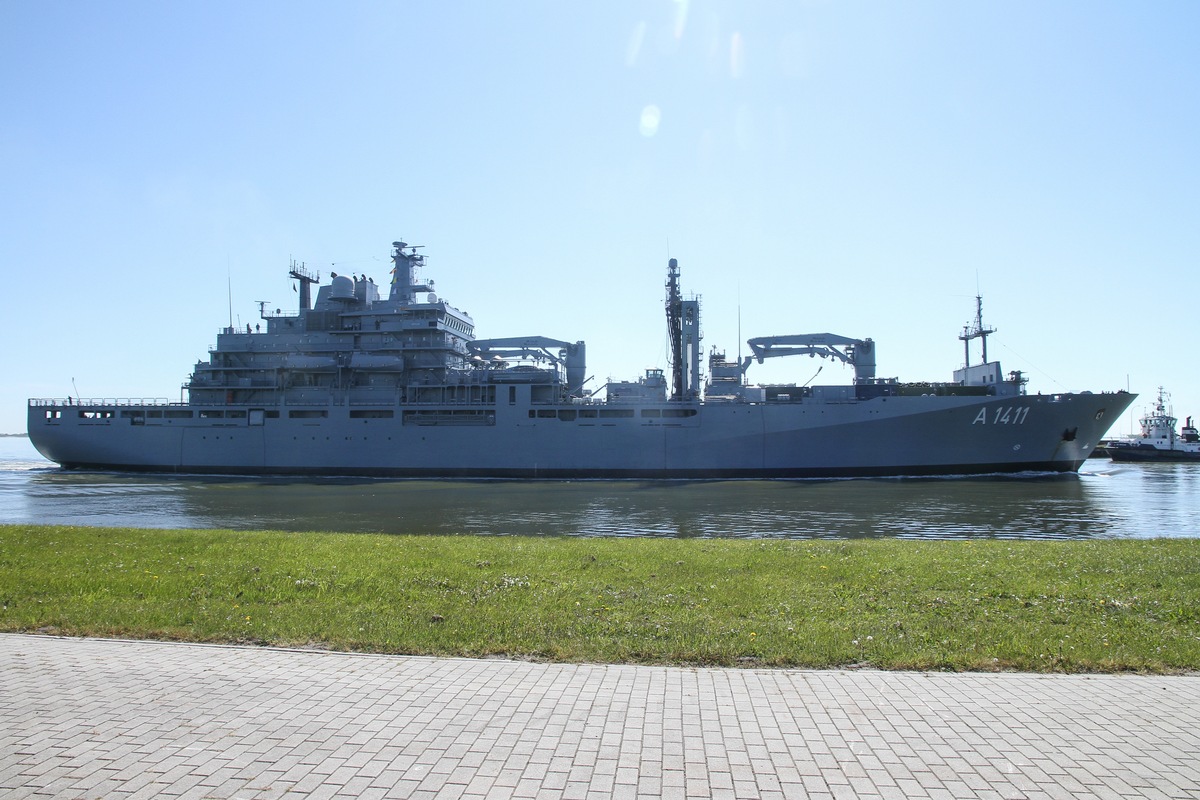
{"x": 1003, "y": 415}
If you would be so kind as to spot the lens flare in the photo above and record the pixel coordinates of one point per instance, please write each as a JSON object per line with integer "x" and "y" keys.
{"x": 634, "y": 48}
{"x": 681, "y": 13}
{"x": 651, "y": 116}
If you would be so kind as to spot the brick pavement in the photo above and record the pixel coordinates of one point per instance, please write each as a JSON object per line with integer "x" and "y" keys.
{"x": 117, "y": 719}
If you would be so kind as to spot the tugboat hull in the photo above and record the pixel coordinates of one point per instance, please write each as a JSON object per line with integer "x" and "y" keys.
{"x": 1148, "y": 453}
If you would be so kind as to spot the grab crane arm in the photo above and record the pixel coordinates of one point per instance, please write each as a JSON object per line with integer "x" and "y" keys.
{"x": 537, "y": 347}
{"x": 858, "y": 353}
{"x": 571, "y": 355}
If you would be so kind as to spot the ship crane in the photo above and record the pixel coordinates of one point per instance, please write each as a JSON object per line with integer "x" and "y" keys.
{"x": 858, "y": 353}
{"x": 571, "y": 356}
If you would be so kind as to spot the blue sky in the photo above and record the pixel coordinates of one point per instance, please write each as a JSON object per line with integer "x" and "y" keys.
{"x": 848, "y": 167}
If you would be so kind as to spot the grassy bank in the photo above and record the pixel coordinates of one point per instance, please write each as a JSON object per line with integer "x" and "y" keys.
{"x": 1042, "y": 606}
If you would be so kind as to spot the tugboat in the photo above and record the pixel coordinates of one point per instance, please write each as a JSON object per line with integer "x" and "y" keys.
{"x": 1158, "y": 440}
{"x": 392, "y": 381}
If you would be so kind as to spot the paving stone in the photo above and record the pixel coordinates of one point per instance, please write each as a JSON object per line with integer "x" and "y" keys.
{"x": 99, "y": 718}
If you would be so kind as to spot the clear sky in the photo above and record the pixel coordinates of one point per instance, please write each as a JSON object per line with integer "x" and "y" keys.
{"x": 859, "y": 168}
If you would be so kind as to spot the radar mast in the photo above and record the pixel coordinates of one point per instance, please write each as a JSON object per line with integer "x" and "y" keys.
{"x": 975, "y": 331}
{"x": 306, "y": 279}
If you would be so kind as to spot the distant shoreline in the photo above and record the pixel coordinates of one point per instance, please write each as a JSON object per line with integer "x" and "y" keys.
{"x": 14, "y": 435}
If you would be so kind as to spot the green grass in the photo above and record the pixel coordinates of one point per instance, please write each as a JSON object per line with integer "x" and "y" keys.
{"x": 963, "y": 605}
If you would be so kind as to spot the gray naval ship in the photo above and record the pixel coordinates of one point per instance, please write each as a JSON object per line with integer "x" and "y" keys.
{"x": 360, "y": 384}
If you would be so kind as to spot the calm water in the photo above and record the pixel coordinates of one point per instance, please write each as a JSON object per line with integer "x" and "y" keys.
{"x": 1104, "y": 501}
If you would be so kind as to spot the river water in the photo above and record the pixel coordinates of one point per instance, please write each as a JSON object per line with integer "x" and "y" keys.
{"x": 1104, "y": 501}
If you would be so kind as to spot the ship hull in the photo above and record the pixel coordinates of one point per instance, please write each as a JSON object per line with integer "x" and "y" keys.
{"x": 892, "y": 436}
{"x": 1149, "y": 453}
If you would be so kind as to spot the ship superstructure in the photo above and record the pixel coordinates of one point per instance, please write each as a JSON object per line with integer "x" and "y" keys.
{"x": 372, "y": 382}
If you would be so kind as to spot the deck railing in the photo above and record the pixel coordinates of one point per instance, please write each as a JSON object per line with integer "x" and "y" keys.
{"x": 104, "y": 401}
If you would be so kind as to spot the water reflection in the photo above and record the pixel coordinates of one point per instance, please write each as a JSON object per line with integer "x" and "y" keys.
{"x": 1059, "y": 506}
{"x": 1104, "y": 501}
